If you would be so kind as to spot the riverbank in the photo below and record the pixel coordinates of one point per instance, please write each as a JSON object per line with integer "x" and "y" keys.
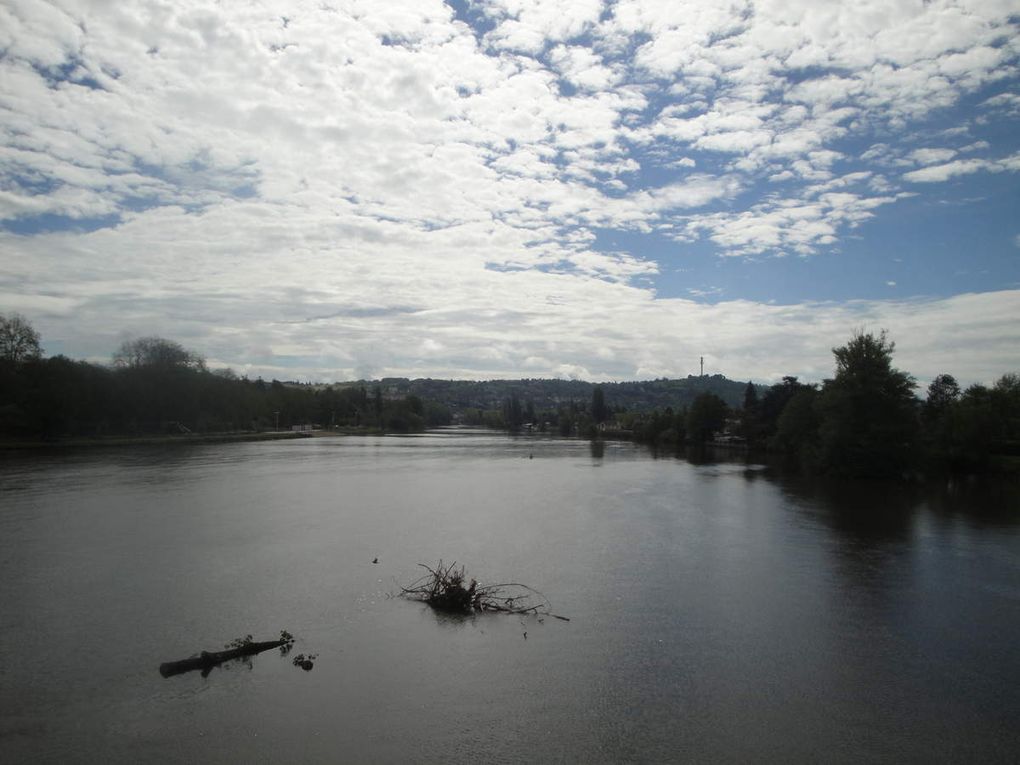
{"x": 183, "y": 438}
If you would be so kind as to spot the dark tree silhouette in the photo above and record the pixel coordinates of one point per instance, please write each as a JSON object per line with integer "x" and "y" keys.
{"x": 599, "y": 412}
{"x": 797, "y": 428}
{"x": 18, "y": 339}
{"x": 943, "y": 391}
{"x": 750, "y": 397}
{"x": 513, "y": 414}
{"x": 771, "y": 406}
{"x": 868, "y": 414}
{"x": 156, "y": 352}
{"x": 943, "y": 395}
{"x": 706, "y": 417}
{"x": 750, "y": 417}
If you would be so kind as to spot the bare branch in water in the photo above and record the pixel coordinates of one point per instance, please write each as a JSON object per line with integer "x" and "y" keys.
{"x": 444, "y": 588}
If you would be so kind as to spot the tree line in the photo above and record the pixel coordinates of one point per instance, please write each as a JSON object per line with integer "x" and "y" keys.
{"x": 156, "y": 386}
{"x": 550, "y": 395}
{"x": 864, "y": 421}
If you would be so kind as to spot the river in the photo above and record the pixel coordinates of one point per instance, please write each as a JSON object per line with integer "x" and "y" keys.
{"x": 718, "y": 612}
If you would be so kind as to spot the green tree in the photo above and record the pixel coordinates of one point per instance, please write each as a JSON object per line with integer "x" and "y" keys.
{"x": 437, "y": 414}
{"x": 1005, "y": 396}
{"x": 513, "y": 413}
{"x": 750, "y": 397}
{"x": 940, "y": 416}
{"x": 706, "y": 417}
{"x": 750, "y": 418}
{"x": 772, "y": 404}
{"x": 797, "y": 429}
{"x": 943, "y": 392}
{"x": 599, "y": 412}
{"x": 18, "y": 339}
{"x": 565, "y": 421}
{"x": 867, "y": 412}
{"x": 961, "y": 437}
{"x": 161, "y": 385}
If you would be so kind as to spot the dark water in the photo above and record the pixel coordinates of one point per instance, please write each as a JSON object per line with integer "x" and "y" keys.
{"x": 718, "y": 613}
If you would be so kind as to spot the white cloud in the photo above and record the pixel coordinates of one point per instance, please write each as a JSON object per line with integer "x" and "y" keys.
{"x": 583, "y": 67}
{"x": 425, "y": 306}
{"x": 529, "y": 25}
{"x": 787, "y": 226}
{"x": 379, "y": 186}
{"x": 1006, "y": 102}
{"x": 976, "y": 146}
{"x": 943, "y": 172}
{"x": 931, "y": 156}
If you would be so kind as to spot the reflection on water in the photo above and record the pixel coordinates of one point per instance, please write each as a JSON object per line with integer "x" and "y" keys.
{"x": 719, "y": 610}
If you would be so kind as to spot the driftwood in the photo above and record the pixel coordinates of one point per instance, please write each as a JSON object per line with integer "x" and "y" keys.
{"x": 443, "y": 588}
{"x": 206, "y": 660}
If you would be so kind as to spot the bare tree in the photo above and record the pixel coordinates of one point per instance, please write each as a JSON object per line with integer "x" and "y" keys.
{"x": 156, "y": 352}
{"x": 18, "y": 339}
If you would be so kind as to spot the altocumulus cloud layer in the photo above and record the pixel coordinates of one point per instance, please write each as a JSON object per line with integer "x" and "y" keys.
{"x": 329, "y": 190}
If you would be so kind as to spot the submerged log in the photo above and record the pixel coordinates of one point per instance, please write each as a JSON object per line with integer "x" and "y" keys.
{"x": 209, "y": 659}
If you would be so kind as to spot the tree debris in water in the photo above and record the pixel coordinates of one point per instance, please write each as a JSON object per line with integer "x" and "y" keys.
{"x": 447, "y": 588}
{"x": 237, "y": 648}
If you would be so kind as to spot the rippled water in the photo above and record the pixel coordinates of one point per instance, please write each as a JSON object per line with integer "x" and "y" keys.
{"x": 718, "y": 613}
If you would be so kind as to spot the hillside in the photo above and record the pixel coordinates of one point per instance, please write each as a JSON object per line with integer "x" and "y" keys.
{"x": 550, "y": 394}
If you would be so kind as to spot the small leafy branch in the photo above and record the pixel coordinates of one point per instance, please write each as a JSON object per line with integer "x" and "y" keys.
{"x": 239, "y": 643}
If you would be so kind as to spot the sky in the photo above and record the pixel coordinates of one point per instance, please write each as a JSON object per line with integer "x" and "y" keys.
{"x": 346, "y": 189}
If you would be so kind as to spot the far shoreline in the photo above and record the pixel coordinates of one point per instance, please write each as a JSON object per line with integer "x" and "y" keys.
{"x": 117, "y": 441}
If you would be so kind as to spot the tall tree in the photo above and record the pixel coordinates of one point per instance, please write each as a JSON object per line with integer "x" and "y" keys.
{"x": 1006, "y": 404}
{"x": 513, "y": 413}
{"x": 706, "y": 417}
{"x": 942, "y": 392}
{"x": 750, "y": 396}
{"x": 18, "y": 339}
{"x": 796, "y": 433}
{"x": 868, "y": 418}
{"x": 937, "y": 412}
{"x": 599, "y": 412}
{"x": 750, "y": 419}
{"x": 772, "y": 404}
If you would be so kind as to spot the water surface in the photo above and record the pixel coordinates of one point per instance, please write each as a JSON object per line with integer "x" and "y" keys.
{"x": 718, "y": 612}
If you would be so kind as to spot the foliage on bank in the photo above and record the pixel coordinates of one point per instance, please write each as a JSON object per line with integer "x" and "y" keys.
{"x": 866, "y": 421}
{"x": 155, "y": 386}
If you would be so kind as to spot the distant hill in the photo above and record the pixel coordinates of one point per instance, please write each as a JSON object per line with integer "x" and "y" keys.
{"x": 550, "y": 394}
